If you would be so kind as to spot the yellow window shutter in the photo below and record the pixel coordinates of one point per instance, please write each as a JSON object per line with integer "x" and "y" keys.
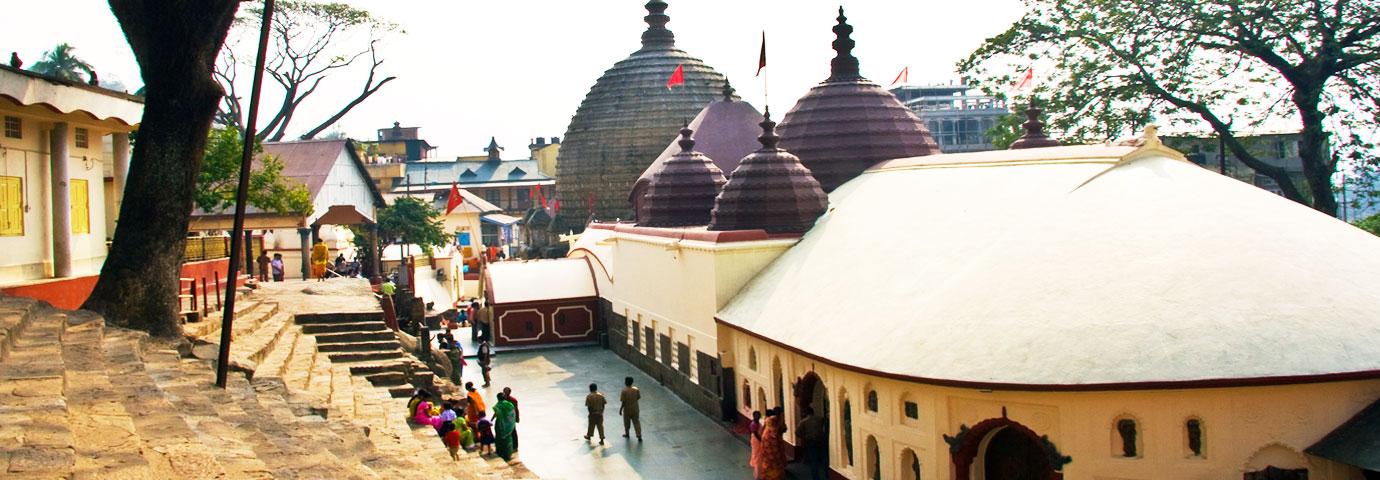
{"x": 11, "y": 206}
{"x": 81, "y": 207}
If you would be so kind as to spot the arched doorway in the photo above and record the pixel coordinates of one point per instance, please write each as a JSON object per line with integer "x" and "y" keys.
{"x": 810, "y": 392}
{"x": 910, "y": 465}
{"x": 778, "y": 379}
{"x": 1002, "y": 449}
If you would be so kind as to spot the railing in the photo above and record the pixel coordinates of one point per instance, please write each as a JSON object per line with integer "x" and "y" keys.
{"x": 211, "y": 248}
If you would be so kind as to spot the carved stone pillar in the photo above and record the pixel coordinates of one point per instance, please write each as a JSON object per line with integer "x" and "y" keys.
{"x": 305, "y": 234}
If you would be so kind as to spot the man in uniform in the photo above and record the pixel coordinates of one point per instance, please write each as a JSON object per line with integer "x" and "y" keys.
{"x": 627, "y": 406}
{"x": 595, "y": 403}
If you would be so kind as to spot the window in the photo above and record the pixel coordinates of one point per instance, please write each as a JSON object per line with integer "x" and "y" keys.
{"x": 82, "y": 138}
{"x": 747, "y": 395}
{"x": 1194, "y": 430}
{"x": 848, "y": 430}
{"x": 11, "y": 206}
{"x": 632, "y": 327}
{"x": 690, "y": 360}
{"x": 1126, "y": 429}
{"x": 14, "y": 128}
{"x": 524, "y": 197}
{"x": 912, "y": 411}
{"x": 493, "y": 196}
{"x": 752, "y": 359}
{"x": 872, "y": 401}
{"x": 81, "y": 207}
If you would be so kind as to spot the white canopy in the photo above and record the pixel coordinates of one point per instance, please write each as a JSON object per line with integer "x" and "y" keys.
{"x": 538, "y": 280}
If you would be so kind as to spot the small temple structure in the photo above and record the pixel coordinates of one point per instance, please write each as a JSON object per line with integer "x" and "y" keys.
{"x": 682, "y": 193}
{"x": 628, "y": 117}
{"x": 770, "y": 190}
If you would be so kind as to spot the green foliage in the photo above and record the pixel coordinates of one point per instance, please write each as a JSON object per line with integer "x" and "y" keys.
{"x": 1107, "y": 68}
{"x": 1006, "y": 130}
{"x": 415, "y": 221}
{"x": 1370, "y": 224}
{"x": 61, "y": 62}
{"x": 269, "y": 190}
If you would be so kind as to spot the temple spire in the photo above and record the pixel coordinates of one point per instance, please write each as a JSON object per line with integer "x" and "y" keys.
{"x": 844, "y": 67}
{"x": 657, "y": 35}
{"x": 1034, "y": 131}
{"x": 687, "y": 144}
{"x": 769, "y": 137}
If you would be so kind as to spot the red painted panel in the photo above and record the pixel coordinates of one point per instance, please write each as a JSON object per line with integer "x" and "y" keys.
{"x": 538, "y": 323}
{"x": 70, "y": 293}
{"x": 573, "y": 323}
{"x": 519, "y": 326}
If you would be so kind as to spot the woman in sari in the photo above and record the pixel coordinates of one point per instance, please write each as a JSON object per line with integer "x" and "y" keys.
{"x": 755, "y": 437}
{"x": 505, "y": 423}
{"x": 771, "y": 464}
{"x": 474, "y": 406}
{"x": 319, "y": 255}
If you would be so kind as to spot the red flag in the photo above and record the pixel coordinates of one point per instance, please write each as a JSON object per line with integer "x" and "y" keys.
{"x": 454, "y": 198}
{"x": 1026, "y": 80}
{"x": 904, "y": 76}
{"x": 591, "y": 202}
{"x": 677, "y": 77}
{"x": 555, "y": 204}
{"x": 762, "y": 60}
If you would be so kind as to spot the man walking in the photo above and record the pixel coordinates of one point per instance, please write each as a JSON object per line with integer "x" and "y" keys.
{"x": 485, "y": 360}
{"x": 813, "y": 437}
{"x": 517, "y": 414}
{"x": 595, "y": 403}
{"x": 627, "y": 406}
{"x": 263, "y": 262}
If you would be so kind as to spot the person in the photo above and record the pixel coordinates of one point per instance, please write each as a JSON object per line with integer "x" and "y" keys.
{"x": 467, "y": 439}
{"x": 418, "y": 396}
{"x": 505, "y": 427}
{"x": 277, "y": 265}
{"x": 755, "y": 439}
{"x": 811, "y": 434}
{"x": 627, "y": 407}
{"x": 340, "y": 264}
{"x": 463, "y": 318}
{"x": 517, "y": 414}
{"x": 595, "y": 403}
{"x": 485, "y": 360}
{"x": 474, "y": 320}
{"x": 457, "y": 363}
{"x": 452, "y": 440}
{"x": 771, "y": 465}
{"x": 263, "y": 262}
{"x": 486, "y": 433}
{"x": 475, "y": 408}
{"x": 319, "y": 255}
{"x": 423, "y": 415}
{"x": 485, "y": 321}
{"x": 447, "y": 412}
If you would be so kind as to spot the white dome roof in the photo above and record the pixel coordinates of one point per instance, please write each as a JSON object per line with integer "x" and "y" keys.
{"x": 1072, "y": 267}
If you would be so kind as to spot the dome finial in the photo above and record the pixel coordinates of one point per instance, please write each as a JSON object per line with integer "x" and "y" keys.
{"x": 728, "y": 92}
{"x": 687, "y": 144}
{"x": 657, "y": 35}
{"x": 1034, "y": 131}
{"x": 768, "y": 137}
{"x": 845, "y": 65}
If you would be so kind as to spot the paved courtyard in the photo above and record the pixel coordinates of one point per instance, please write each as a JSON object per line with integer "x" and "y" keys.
{"x": 679, "y": 442}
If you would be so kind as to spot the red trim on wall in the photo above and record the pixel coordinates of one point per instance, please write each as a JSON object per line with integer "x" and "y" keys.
{"x": 70, "y": 293}
{"x": 1077, "y": 387}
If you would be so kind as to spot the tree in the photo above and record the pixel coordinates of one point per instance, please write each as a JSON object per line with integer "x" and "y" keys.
{"x": 1370, "y": 224}
{"x": 62, "y": 63}
{"x": 269, "y": 190}
{"x": 310, "y": 41}
{"x": 175, "y": 44}
{"x": 415, "y": 221}
{"x": 1231, "y": 65}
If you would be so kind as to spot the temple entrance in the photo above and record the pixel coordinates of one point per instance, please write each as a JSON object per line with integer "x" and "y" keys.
{"x": 810, "y": 391}
{"x": 1012, "y": 456}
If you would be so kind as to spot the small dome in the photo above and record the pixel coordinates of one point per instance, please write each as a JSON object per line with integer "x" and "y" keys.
{"x": 725, "y": 131}
{"x": 1034, "y": 136}
{"x": 847, "y": 123}
{"x": 770, "y": 190}
{"x": 627, "y": 117}
{"x": 683, "y": 192}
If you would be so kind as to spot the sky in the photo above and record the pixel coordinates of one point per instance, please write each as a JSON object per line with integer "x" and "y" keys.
{"x": 516, "y": 70}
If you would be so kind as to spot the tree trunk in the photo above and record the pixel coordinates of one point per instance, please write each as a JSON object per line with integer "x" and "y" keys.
{"x": 175, "y": 43}
{"x": 1317, "y": 164}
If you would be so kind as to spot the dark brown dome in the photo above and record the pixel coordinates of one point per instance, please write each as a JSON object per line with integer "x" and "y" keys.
{"x": 725, "y": 131}
{"x": 847, "y": 124}
{"x": 682, "y": 193}
{"x": 770, "y": 190}
{"x": 627, "y": 118}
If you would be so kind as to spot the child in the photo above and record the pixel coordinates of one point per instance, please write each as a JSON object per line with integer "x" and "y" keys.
{"x": 486, "y": 434}
{"x": 452, "y": 440}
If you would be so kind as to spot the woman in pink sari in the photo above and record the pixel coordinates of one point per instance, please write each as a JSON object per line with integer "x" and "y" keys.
{"x": 755, "y": 437}
{"x": 771, "y": 462}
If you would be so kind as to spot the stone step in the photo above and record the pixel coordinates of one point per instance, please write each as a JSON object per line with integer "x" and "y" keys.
{"x": 315, "y": 328}
{"x": 174, "y": 445}
{"x": 15, "y": 315}
{"x": 303, "y": 444}
{"x": 385, "y": 345}
{"x": 338, "y": 317}
{"x": 104, "y": 438}
{"x": 347, "y": 357}
{"x": 251, "y": 349}
{"x": 388, "y": 379}
{"x": 35, "y": 434}
{"x": 353, "y": 337}
{"x": 394, "y": 435}
{"x": 202, "y": 405}
{"x": 245, "y": 307}
{"x": 372, "y": 368}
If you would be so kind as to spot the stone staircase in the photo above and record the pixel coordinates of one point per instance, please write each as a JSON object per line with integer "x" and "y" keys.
{"x": 362, "y": 342}
{"x": 79, "y": 399}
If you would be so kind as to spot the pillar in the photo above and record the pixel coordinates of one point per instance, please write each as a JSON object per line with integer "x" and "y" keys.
{"x": 120, "y": 144}
{"x": 305, "y": 234}
{"x": 374, "y": 257}
{"x": 62, "y": 201}
{"x": 249, "y": 254}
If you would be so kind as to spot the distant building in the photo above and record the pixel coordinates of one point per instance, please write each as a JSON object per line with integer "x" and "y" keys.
{"x": 1278, "y": 149}
{"x": 958, "y": 119}
{"x": 545, "y": 154}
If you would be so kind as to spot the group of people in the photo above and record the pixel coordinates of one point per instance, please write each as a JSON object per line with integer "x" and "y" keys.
{"x": 267, "y": 264}
{"x": 320, "y": 256}
{"x": 627, "y": 408}
{"x": 766, "y": 435}
{"x": 465, "y": 424}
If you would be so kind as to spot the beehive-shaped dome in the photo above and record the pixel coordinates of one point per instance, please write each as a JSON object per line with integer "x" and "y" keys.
{"x": 770, "y": 190}
{"x": 725, "y": 131}
{"x": 683, "y": 192}
{"x": 627, "y": 118}
{"x": 847, "y": 124}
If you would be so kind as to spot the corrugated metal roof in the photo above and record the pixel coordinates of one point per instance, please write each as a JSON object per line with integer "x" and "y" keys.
{"x": 1356, "y": 442}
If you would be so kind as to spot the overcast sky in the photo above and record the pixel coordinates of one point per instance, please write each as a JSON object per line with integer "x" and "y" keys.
{"x": 518, "y": 69}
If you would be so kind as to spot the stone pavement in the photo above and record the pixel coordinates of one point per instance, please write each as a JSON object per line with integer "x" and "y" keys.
{"x": 679, "y": 442}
